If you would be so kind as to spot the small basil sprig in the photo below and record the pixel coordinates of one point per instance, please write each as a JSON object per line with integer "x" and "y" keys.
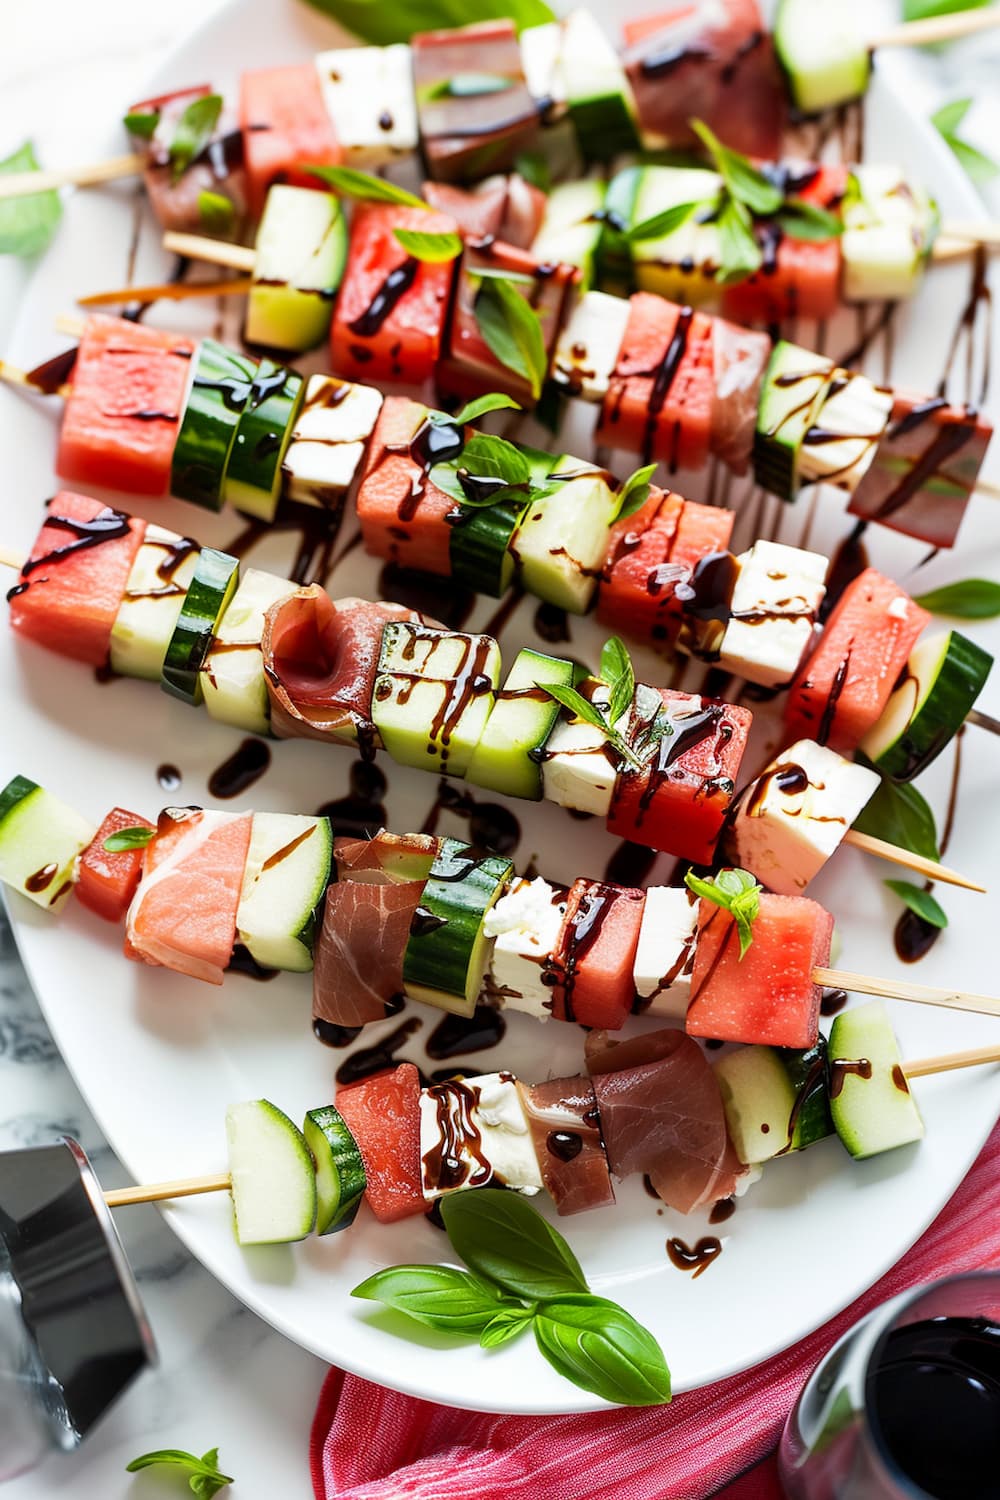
{"x": 664, "y": 223}
{"x": 808, "y": 221}
{"x": 350, "y": 183}
{"x": 493, "y": 401}
{"x": 216, "y": 212}
{"x": 193, "y": 132}
{"x": 634, "y": 493}
{"x": 128, "y": 838}
{"x": 919, "y": 901}
{"x": 743, "y": 182}
{"x": 380, "y": 25}
{"x": 975, "y": 163}
{"x": 434, "y": 248}
{"x": 617, "y": 674}
{"x": 524, "y": 1275}
{"x": 485, "y": 457}
{"x": 142, "y": 123}
{"x": 27, "y": 224}
{"x": 204, "y": 1476}
{"x": 971, "y": 599}
{"x": 900, "y": 814}
{"x": 737, "y": 892}
{"x": 511, "y": 329}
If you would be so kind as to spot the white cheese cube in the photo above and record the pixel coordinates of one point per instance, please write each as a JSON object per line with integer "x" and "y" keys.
{"x": 329, "y": 440}
{"x": 785, "y": 825}
{"x": 525, "y": 925}
{"x": 580, "y": 766}
{"x": 664, "y": 958}
{"x": 840, "y": 446}
{"x": 370, "y": 99}
{"x": 588, "y": 347}
{"x": 774, "y": 606}
{"x": 474, "y": 1131}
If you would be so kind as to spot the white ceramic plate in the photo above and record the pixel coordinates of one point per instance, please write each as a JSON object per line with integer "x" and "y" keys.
{"x": 159, "y": 1056}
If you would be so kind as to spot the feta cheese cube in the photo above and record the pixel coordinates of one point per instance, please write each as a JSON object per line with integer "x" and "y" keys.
{"x": 580, "y": 765}
{"x": 840, "y": 447}
{"x": 474, "y": 1131}
{"x": 370, "y": 99}
{"x": 664, "y": 958}
{"x": 525, "y": 925}
{"x": 786, "y": 824}
{"x": 329, "y": 440}
{"x": 774, "y": 606}
{"x": 588, "y": 347}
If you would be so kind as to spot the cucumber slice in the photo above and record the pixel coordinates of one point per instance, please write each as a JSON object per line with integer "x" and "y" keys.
{"x": 215, "y": 578}
{"x": 682, "y": 266}
{"x": 273, "y": 1178}
{"x": 448, "y": 951}
{"x": 433, "y": 695}
{"x": 158, "y": 580}
{"x": 598, "y": 93}
{"x": 329, "y": 441}
{"x": 253, "y": 474}
{"x": 505, "y": 760}
{"x": 890, "y": 225}
{"x": 563, "y": 536}
{"x": 796, "y": 382}
{"x": 614, "y": 253}
{"x": 942, "y": 680}
{"x": 822, "y": 51}
{"x": 572, "y": 227}
{"x": 40, "y": 838}
{"x": 807, "y": 1072}
{"x": 285, "y": 877}
{"x": 340, "y": 1171}
{"x": 479, "y": 547}
{"x": 758, "y": 1098}
{"x": 301, "y": 252}
{"x": 220, "y": 389}
{"x": 870, "y": 1100}
{"x": 232, "y": 676}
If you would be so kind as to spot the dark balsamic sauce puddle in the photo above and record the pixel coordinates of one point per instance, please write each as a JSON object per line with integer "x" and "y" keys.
{"x": 245, "y": 766}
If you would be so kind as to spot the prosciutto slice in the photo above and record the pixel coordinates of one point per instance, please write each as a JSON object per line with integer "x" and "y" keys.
{"x": 661, "y": 1114}
{"x": 566, "y": 1132}
{"x": 739, "y": 359}
{"x": 320, "y": 658}
{"x": 504, "y": 207}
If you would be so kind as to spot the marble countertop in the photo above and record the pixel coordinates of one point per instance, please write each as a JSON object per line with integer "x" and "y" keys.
{"x": 225, "y": 1378}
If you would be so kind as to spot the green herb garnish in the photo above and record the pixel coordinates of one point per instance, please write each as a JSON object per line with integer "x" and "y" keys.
{"x": 193, "y": 132}
{"x": 204, "y": 1476}
{"x": 919, "y": 901}
{"x": 664, "y": 223}
{"x": 216, "y": 212}
{"x": 617, "y": 675}
{"x": 486, "y": 457}
{"x": 808, "y": 221}
{"x": 27, "y": 224}
{"x": 512, "y": 330}
{"x": 975, "y": 163}
{"x": 493, "y": 401}
{"x": 899, "y": 814}
{"x": 634, "y": 493}
{"x": 142, "y": 123}
{"x": 380, "y": 24}
{"x": 737, "y": 892}
{"x": 743, "y": 182}
{"x": 524, "y": 1275}
{"x": 920, "y": 10}
{"x": 434, "y": 248}
{"x": 128, "y": 838}
{"x": 971, "y": 599}
{"x": 350, "y": 183}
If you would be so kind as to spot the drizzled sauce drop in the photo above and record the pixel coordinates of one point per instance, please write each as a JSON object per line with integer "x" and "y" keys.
{"x": 169, "y": 777}
{"x": 723, "y": 1210}
{"x": 332, "y": 1035}
{"x": 458, "y": 1034}
{"x": 378, "y": 1058}
{"x": 242, "y": 961}
{"x": 832, "y": 1002}
{"x": 246, "y": 765}
{"x": 842, "y": 1068}
{"x": 361, "y": 813}
{"x": 565, "y": 1144}
{"x": 551, "y": 623}
{"x": 695, "y": 1258}
{"x": 491, "y": 827}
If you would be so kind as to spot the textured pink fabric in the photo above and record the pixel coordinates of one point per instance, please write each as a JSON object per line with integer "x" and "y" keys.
{"x": 374, "y": 1444}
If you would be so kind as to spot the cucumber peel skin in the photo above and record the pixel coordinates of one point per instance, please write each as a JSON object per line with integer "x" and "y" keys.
{"x": 870, "y": 1101}
{"x": 14, "y": 792}
{"x": 444, "y": 964}
{"x": 479, "y": 547}
{"x": 340, "y": 1170}
{"x": 944, "y": 676}
{"x": 272, "y": 1172}
{"x": 253, "y": 473}
{"x": 216, "y": 576}
{"x": 218, "y": 395}
{"x": 517, "y": 727}
{"x": 40, "y": 839}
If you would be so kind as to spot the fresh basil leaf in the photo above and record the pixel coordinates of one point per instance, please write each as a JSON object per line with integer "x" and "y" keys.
{"x": 204, "y": 1476}
{"x": 494, "y": 456}
{"x": 741, "y": 254}
{"x": 128, "y": 838}
{"x": 512, "y": 331}
{"x": 443, "y": 1297}
{"x": 899, "y": 814}
{"x": 616, "y": 671}
{"x": 634, "y": 492}
{"x": 808, "y": 221}
{"x": 946, "y": 120}
{"x": 142, "y": 123}
{"x": 434, "y": 248}
{"x": 216, "y": 212}
{"x": 509, "y": 1243}
{"x": 737, "y": 892}
{"x": 919, "y": 10}
{"x": 350, "y": 183}
{"x": 468, "y": 86}
{"x": 664, "y": 223}
{"x": 495, "y": 401}
{"x": 971, "y": 599}
{"x": 534, "y": 168}
{"x": 577, "y": 704}
{"x": 919, "y": 901}
{"x": 380, "y": 24}
{"x": 600, "y": 1347}
{"x": 193, "y": 132}
{"x": 743, "y": 181}
{"x": 494, "y": 273}
{"x": 506, "y": 1325}
{"x": 27, "y": 224}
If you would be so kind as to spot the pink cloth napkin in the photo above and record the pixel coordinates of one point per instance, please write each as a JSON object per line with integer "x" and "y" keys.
{"x": 369, "y": 1443}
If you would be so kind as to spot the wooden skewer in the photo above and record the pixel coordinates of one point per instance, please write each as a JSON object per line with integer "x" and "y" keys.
{"x": 25, "y": 184}
{"x": 947, "y": 1062}
{"x": 904, "y": 989}
{"x": 168, "y": 291}
{"x": 70, "y": 325}
{"x": 917, "y": 862}
{"x": 938, "y": 29}
{"x": 216, "y": 252}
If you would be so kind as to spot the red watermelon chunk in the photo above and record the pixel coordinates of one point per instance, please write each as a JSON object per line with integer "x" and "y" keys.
{"x": 106, "y": 880}
{"x": 383, "y": 1115}
{"x": 768, "y": 997}
{"x": 593, "y": 961}
{"x": 401, "y": 513}
{"x": 75, "y": 578}
{"x": 677, "y": 803}
{"x": 659, "y": 400}
{"x": 799, "y": 278}
{"x": 286, "y": 129}
{"x": 841, "y": 690}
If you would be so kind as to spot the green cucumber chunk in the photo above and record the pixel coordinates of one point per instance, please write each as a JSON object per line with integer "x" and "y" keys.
{"x": 943, "y": 678}
{"x": 870, "y": 1100}
{"x": 214, "y": 583}
{"x": 232, "y": 675}
{"x": 448, "y": 951}
{"x": 684, "y": 264}
{"x": 563, "y": 536}
{"x": 40, "y": 838}
{"x": 614, "y": 252}
{"x": 284, "y": 880}
{"x": 572, "y": 227}
{"x": 272, "y": 1172}
{"x": 301, "y": 253}
{"x": 796, "y": 382}
{"x": 597, "y": 90}
{"x": 890, "y": 224}
{"x": 758, "y": 1098}
{"x": 433, "y": 694}
{"x": 158, "y": 580}
{"x": 253, "y": 474}
{"x": 220, "y": 389}
{"x": 823, "y": 53}
{"x": 505, "y": 760}
{"x": 479, "y": 547}
{"x": 806, "y": 1070}
{"x": 340, "y": 1171}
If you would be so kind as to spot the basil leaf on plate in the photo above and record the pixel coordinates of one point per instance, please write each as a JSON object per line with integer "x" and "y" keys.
{"x": 920, "y": 10}
{"x": 972, "y": 599}
{"x": 616, "y": 671}
{"x": 975, "y": 163}
{"x": 512, "y": 330}
{"x": 443, "y": 1297}
{"x": 899, "y": 814}
{"x": 193, "y": 132}
{"x": 601, "y": 1348}
{"x": 129, "y": 838}
{"x": 379, "y": 24}
{"x": 506, "y": 1241}
{"x": 634, "y": 492}
{"x": 350, "y": 183}
{"x": 506, "y": 1325}
{"x": 430, "y": 247}
{"x": 576, "y": 703}
{"x": 919, "y": 901}
{"x": 27, "y": 224}
{"x": 204, "y": 1476}
{"x": 495, "y": 401}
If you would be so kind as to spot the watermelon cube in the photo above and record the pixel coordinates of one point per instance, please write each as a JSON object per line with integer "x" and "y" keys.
{"x": 841, "y": 690}
{"x": 383, "y": 1115}
{"x": 799, "y": 278}
{"x": 592, "y": 963}
{"x": 286, "y": 129}
{"x": 401, "y": 513}
{"x": 106, "y": 880}
{"x": 769, "y": 996}
{"x": 678, "y": 801}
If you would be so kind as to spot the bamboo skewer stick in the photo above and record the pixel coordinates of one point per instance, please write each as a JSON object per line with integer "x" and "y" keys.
{"x": 917, "y": 862}
{"x": 937, "y": 29}
{"x": 904, "y": 989}
{"x": 26, "y": 184}
{"x": 947, "y": 1062}
{"x": 168, "y": 291}
{"x": 216, "y": 252}
{"x": 983, "y": 721}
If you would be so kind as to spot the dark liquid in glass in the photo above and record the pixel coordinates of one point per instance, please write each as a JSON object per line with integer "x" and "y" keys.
{"x": 936, "y": 1398}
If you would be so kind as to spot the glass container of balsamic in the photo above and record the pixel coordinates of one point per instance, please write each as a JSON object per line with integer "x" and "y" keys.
{"x": 906, "y": 1406}
{"x": 73, "y": 1334}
